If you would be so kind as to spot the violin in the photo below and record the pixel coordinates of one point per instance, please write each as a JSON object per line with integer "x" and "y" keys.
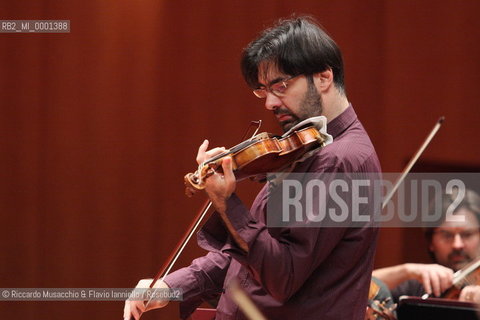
{"x": 468, "y": 275}
{"x": 260, "y": 154}
{"x": 380, "y": 307}
{"x": 380, "y": 304}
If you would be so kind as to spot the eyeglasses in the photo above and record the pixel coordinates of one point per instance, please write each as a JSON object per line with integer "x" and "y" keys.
{"x": 278, "y": 88}
{"x": 448, "y": 236}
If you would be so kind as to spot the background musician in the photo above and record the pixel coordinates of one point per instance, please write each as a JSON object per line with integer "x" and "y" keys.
{"x": 451, "y": 246}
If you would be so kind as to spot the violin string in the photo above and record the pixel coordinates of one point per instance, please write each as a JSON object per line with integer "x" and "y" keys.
{"x": 259, "y": 124}
{"x": 252, "y": 123}
{"x": 241, "y": 145}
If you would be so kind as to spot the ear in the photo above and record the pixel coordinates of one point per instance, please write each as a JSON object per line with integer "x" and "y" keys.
{"x": 323, "y": 80}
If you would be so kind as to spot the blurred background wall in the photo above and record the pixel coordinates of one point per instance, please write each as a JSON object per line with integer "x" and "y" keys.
{"x": 98, "y": 126}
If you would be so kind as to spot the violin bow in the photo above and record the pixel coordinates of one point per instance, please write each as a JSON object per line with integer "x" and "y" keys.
{"x": 461, "y": 276}
{"x": 384, "y": 312}
{"x": 468, "y": 275}
{"x": 168, "y": 265}
{"x": 244, "y": 302}
{"x": 412, "y": 161}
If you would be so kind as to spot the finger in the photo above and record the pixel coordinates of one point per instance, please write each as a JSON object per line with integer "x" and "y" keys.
{"x": 141, "y": 306}
{"x": 149, "y": 306}
{"x": 466, "y": 294}
{"x": 446, "y": 280}
{"x": 475, "y": 294}
{"x": 463, "y": 295}
{"x": 155, "y": 304}
{"x": 188, "y": 182}
{"x": 189, "y": 191}
{"x": 135, "y": 313}
{"x": 201, "y": 151}
{"x": 152, "y": 305}
{"x": 435, "y": 284}
{"x": 213, "y": 152}
{"x": 137, "y": 309}
{"x": 227, "y": 169}
{"x": 426, "y": 283}
{"x": 126, "y": 311}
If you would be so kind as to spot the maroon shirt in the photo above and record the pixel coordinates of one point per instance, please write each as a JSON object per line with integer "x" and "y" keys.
{"x": 295, "y": 273}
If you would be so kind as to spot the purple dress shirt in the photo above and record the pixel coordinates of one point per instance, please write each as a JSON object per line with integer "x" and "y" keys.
{"x": 289, "y": 273}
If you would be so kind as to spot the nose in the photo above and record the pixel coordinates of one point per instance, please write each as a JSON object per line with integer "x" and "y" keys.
{"x": 458, "y": 242}
{"x": 272, "y": 102}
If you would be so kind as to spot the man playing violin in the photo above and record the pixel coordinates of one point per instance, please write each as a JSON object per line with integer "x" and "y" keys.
{"x": 289, "y": 272}
{"x": 452, "y": 245}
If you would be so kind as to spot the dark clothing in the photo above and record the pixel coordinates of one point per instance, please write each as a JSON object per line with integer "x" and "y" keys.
{"x": 408, "y": 288}
{"x": 290, "y": 273}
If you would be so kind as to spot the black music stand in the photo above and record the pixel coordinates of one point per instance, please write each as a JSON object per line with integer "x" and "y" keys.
{"x": 415, "y": 308}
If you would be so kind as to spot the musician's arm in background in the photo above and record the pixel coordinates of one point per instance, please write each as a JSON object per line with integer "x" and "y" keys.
{"x": 434, "y": 278}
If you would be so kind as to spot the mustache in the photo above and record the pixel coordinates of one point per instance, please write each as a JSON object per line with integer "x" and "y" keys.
{"x": 459, "y": 253}
{"x": 280, "y": 112}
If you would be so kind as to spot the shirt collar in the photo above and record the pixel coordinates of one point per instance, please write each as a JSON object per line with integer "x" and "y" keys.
{"x": 344, "y": 120}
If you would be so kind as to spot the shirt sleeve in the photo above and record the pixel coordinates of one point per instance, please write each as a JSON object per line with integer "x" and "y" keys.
{"x": 282, "y": 264}
{"x": 281, "y": 259}
{"x": 201, "y": 281}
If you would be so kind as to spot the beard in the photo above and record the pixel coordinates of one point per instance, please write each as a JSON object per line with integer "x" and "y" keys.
{"x": 310, "y": 106}
{"x": 457, "y": 259}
